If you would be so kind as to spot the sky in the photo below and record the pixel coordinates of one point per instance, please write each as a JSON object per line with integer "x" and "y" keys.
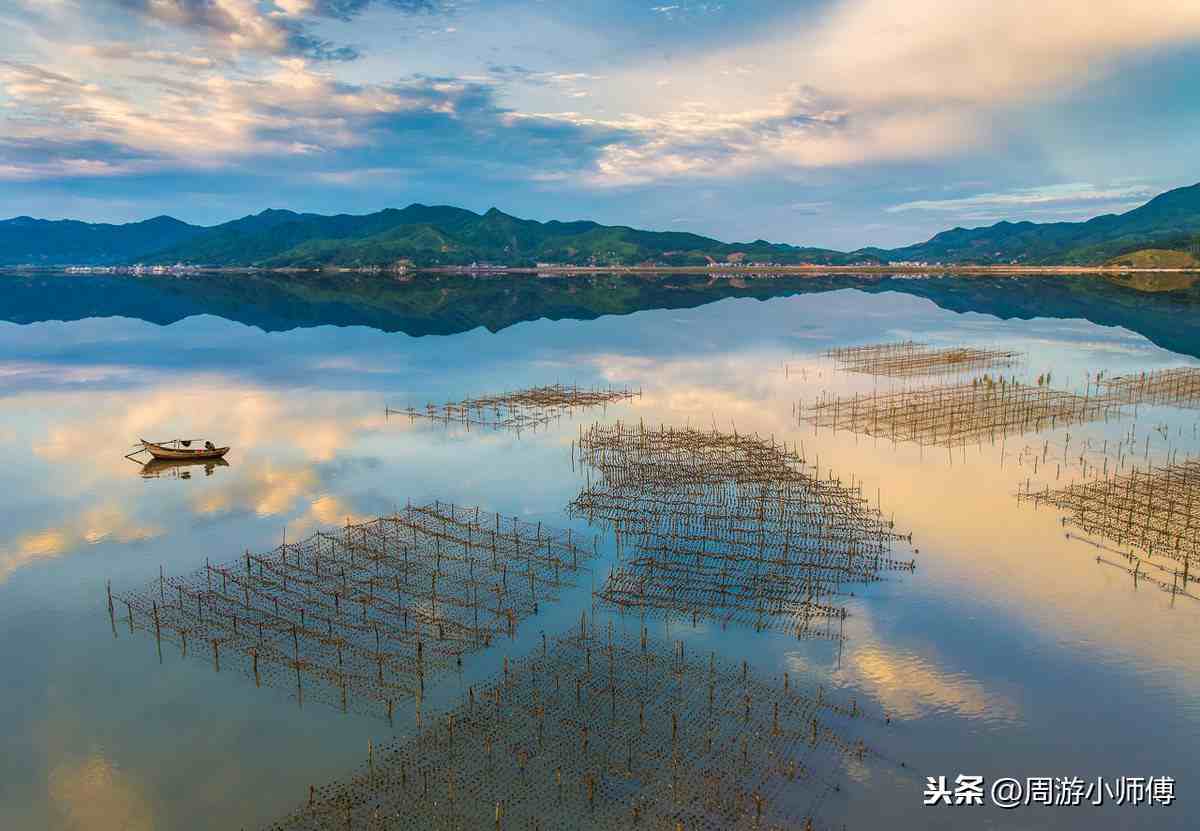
{"x": 838, "y": 123}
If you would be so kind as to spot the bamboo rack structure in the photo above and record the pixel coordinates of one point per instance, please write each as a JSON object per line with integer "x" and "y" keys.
{"x": 1175, "y": 387}
{"x": 1083, "y": 456}
{"x": 955, "y": 415}
{"x": 520, "y": 410}
{"x": 1153, "y": 510}
{"x": 362, "y": 616}
{"x": 909, "y": 359}
{"x": 730, "y": 527}
{"x": 592, "y": 732}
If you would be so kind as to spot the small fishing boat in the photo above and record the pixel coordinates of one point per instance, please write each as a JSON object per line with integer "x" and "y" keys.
{"x": 182, "y": 449}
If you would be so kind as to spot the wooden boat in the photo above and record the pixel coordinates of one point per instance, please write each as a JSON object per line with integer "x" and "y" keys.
{"x": 182, "y": 449}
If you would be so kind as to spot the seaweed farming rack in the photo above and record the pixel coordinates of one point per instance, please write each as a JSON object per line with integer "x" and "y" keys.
{"x": 592, "y": 732}
{"x": 1153, "y": 510}
{"x": 954, "y": 415}
{"x": 521, "y": 410}
{"x": 730, "y": 527}
{"x": 909, "y": 359}
{"x": 1086, "y": 457}
{"x": 362, "y": 616}
{"x": 1175, "y": 387}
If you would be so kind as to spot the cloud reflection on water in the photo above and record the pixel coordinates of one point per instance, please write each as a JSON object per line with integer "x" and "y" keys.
{"x": 94, "y": 794}
{"x": 280, "y": 440}
{"x": 105, "y": 522}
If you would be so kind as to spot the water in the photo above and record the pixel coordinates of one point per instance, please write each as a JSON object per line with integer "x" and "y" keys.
{"x": 1009, "y": 652}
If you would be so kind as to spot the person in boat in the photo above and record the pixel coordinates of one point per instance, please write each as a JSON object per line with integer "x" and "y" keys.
{"x": 208, "y": 445}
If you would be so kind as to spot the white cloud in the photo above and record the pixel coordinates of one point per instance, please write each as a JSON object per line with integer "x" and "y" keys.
{"x": 290, "y": 108}
{"x": 1063, "y": 196}
{"x": 868, "y": 81}
{"x": 874, "y": 81}
{"x": 295, "y": 7}
{"x": 981, "y": 52}
{"x": 809, "y": 207}
{"x": 172, "y": 57}
{"x": 68, "y": 168}
{"x": 695, "y": 141}
{"x": 360, "y": 175}
{"x": 239, "y": 25}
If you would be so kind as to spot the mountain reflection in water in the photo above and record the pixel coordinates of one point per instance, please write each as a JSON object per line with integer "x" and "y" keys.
{"x": 1165, "y": 308}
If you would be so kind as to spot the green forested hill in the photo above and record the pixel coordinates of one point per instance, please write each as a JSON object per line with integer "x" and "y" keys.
{"x": 25, "y": 240}
{"x": 1169, "y": 221}
{"x": 442, "y": 235}
{"x": 431, "y": 235}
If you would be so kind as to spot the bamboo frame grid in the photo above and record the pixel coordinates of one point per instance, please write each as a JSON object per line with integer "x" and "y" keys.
{"x": 1174, "y": 387}
{"x": 363, "y": 616}
{"x": 1154, "y": 510}
{"x": 955, "y": 415}
{"x": 595, "y": 732}
{"x": 730, "y": 527}
{"x": 907, "y": 359}
{"x": 523, "y": 409}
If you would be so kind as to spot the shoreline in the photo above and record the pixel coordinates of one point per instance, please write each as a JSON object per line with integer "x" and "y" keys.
{"x": 725, "y": 272}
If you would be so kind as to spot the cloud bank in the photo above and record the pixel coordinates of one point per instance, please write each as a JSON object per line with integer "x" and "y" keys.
{"x": 595, "y": 102}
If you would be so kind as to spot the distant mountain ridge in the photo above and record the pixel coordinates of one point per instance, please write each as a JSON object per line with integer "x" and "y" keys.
{"x": 1170, "y": 220}
{"x": 433, "y": 235}
{"x": 444, "y": 235}
{"x": 25, "y": 240}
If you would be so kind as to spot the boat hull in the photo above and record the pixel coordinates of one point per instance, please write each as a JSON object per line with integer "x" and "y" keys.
{"x": 160, "y": 452}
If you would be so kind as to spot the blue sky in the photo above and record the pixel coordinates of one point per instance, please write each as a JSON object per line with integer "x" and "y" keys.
{"x": 827, "y": 122}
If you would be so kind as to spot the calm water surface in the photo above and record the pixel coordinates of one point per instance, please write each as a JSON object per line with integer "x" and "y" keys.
{"x": 1009, "y": 652}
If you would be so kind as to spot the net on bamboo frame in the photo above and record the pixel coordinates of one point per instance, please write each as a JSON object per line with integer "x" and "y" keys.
{"x": 910, "y": 359}
{"x": 524, "y": 409}
{"x": 362, "y": 616}
{"x": 1175, "y": 387}
{"x": 595, "y": 732}
{"x": 1153, "y": 511}
{"x": 954, "y": 415}
{"x": 730, "y": 527}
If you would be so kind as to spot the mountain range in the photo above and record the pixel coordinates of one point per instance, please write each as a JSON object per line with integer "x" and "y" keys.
{"x": 1164, "y": 231}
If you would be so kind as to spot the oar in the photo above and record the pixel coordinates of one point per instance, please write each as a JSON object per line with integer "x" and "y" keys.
{"x": 140, "y": 447}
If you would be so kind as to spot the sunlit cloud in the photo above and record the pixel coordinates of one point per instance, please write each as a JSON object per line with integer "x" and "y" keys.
{"x": 873, "y": 82}
{"x": 987, "y": 53}
{"x": 127, "y": 52}
{"x": 696, "y": 143}
{"x": 290, "y": 109}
